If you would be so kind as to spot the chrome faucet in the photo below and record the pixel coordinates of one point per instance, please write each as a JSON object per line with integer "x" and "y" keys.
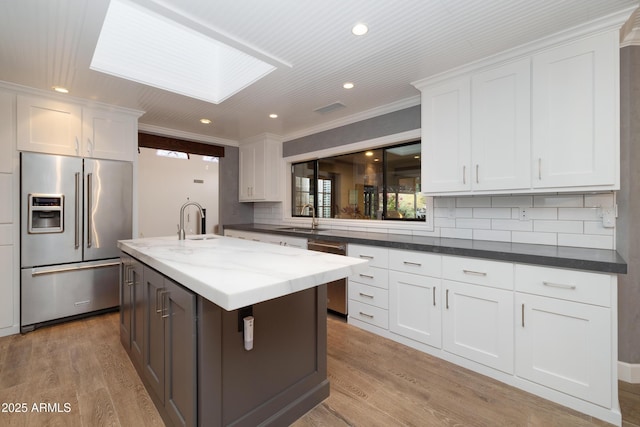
{"x": 314, "y": 220}
{"x": 181, "y": 232}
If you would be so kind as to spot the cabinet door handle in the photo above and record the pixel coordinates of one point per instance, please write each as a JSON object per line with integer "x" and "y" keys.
{"x": 434, "y": 296}
{"x": 128, "y": 273}
{"x": 474, "y": 273}
{"x": 477, "y": 176}
{"x": 558, "y": 285}
{"x": 164, "y": 293}
{"x": 161, "y": 292}
{"x": 366, "y": 275}
{"x": 370, "y": 316}
{"x": 447, "y": 298}
{"x": 89, "y": 209}
{"x": 539, "y": 168}
{"x": 464, "y": 174}
{"x": 78, "y": 212}
{"x": 365, "y": 295}
{"x": 417, "y": 264}
{"x": 523, "y": 315}
{"x": 366, "y": 256}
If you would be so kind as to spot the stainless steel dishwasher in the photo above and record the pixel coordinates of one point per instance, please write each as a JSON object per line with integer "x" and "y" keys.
{"x": 336, "y": 290}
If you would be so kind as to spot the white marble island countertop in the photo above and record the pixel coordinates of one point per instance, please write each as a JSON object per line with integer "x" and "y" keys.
{"x": 234, "y": 273}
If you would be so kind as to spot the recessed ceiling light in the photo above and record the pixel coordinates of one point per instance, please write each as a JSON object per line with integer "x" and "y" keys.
{"x": 273, "y": 116}
{"x": 376, "y": 160}
{"x": 205, "y": 121}
{"x": 416, "y": 157}
{"x": 359, "y": 29}
{"x": 369, "y": 153}
{"x": 348, "y": 85}
{"x": 60, "y": 89}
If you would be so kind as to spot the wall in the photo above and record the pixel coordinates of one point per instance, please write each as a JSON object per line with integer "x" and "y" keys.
{"x": 164, "y": 184}
{"x": 232, "y": 211}
{"x": 628, "y": 233}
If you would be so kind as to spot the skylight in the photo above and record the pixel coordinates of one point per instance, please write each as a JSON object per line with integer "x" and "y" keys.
{"x": 146, "y": 47}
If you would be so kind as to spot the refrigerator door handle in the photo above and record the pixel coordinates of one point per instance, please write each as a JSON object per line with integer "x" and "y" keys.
{"x": 50, "y": 270}
{"x": 77, "y": 224}
{"x": 89, "y": 207}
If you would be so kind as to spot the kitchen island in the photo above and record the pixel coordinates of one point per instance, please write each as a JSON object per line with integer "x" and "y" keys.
{"x": 183, "y": 305}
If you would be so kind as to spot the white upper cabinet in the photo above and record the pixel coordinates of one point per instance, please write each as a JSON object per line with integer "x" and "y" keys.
{"x": 547, "y": 121}
{"x": 445, "y": 137}
{"x": 576, "y": 114}
{"x": 56, "y": 127}
{"x": 260, "y": 169}
{"x": 501, "y": 127}
{"x": 109, "y": 134}
{"x": 49, "y": 126}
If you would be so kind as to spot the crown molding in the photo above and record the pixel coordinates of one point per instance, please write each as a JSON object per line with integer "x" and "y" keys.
{"x": 27, "y": 90}
{"x": 630, "y": 31}
{"x": 189, "y": 136}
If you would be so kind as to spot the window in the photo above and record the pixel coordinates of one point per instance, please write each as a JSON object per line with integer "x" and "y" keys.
{"x": 375, "y": 184}
{"x": 172, "y": 154}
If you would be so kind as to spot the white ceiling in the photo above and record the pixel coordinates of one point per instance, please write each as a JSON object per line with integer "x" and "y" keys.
{"x": 44, "y": 43}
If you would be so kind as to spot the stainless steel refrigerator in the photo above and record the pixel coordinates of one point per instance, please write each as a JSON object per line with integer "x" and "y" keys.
{"x": 72, "y": 213}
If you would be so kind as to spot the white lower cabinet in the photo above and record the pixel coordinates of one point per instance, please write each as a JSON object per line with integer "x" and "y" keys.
{"x": 549, "y": 331}
{"x": 414, "y": 307}
{"x": 565, "y": 346}
{"x": 564, "y": 333}
{"x": 477, "y": 324}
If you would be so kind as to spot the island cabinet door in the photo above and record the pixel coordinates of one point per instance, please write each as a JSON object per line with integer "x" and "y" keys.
{"x": 137, "y": 313}
{"x": 180, "y": 352}
{"x": 154, "y": 332}
{"x": 125, "y": 301}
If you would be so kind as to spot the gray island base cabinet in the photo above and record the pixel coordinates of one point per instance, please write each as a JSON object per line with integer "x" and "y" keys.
{"x": 193, "y": 362}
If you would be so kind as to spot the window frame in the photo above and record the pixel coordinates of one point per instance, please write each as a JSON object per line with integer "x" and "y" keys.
{"x": 351, "y": 224}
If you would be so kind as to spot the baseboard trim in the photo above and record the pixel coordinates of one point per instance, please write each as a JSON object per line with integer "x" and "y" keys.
{"x": 629, "y": 372}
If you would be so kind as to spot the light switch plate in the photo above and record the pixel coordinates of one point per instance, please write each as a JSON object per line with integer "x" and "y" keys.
{"x": 608, "y": 217}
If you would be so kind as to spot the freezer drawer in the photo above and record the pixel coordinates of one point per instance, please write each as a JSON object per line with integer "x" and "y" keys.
{"x": 50, "y": 293}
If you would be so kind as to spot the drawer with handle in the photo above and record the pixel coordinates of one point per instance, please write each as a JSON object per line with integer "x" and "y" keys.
{"x": 415, "y": 262}
{"x": 480, "y": 272}
{"x": 373, "y": 276}
{"x": 579, "y": 286}
{"x": 377, "y": 257}
{"x": 369, "y": 295}
{"x": 368, "y": 313}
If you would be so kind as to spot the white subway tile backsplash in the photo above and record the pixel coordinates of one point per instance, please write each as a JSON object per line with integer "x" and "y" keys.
{"x": 473, "y": 202}
{"x": 554, "y": 201}
{"x": 546, "y": 226}
{"x": 480, "y": 223}
{"x": 456, "y": 233}
{"x": 586, "y": 241}
{"x": 512, "y": 201}
{"x": 596, "y": 227}
{"x": 494, "y": 235}
{"x": 584, "y": 214}
{"x": 542, "y": 213}
{"x": 556, "y": 219}
{"x": 598, "y": 200}
{"x": 444, "y": 222}
{"x": 511, "y": 225}
{"x": 491, "y": 212}
{"x": 534, "y": 238}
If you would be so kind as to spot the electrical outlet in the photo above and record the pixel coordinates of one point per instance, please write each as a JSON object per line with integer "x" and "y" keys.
{"x": 523, "y": 214}
{"x": 609, "y": 217}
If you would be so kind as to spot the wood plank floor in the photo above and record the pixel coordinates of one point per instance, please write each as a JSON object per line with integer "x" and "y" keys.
{"x": 374, "y": 382}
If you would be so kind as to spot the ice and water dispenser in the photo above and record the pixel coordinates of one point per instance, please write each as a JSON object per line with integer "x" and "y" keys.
{"x": 46, "y": 213}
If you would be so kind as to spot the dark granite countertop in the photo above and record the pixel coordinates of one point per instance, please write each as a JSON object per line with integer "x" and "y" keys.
{"x": 598, "y": 260}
